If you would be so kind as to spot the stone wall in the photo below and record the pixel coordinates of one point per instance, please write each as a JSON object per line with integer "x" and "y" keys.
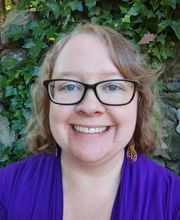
{"x": 168, "y": 154}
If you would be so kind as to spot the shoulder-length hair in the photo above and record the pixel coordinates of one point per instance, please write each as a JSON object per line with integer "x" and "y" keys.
{"x": 130, "y": 64}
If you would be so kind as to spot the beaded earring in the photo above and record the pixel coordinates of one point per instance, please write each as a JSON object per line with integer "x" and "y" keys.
{"x": 131, "y": 152}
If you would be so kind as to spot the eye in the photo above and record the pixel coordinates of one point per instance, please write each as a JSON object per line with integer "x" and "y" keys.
{"x": 112, "y": 87}
{"x": 70, "y": 87}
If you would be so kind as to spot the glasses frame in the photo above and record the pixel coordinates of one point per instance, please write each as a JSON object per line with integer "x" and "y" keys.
{"x": 90, "y": 86}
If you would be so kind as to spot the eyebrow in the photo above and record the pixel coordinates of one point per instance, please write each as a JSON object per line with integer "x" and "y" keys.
{"x": 78, "y": 74}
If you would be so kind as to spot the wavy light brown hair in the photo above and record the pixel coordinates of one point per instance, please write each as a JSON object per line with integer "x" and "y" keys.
{"x": 130, "y": 64}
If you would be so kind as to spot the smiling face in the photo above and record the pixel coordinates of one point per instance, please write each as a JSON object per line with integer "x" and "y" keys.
{"x": 90, "y": 131}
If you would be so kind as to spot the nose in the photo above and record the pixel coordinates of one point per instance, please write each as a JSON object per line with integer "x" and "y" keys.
{"x": 90, "y": 105}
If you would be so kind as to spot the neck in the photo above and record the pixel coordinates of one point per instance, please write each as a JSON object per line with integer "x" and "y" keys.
{"x": 85, "y": 175}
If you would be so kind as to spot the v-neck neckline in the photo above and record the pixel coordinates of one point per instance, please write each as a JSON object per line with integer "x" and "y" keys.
{"x": 116, "y": 210}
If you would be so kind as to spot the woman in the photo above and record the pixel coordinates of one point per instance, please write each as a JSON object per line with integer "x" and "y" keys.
{"x": 93, "y": 107}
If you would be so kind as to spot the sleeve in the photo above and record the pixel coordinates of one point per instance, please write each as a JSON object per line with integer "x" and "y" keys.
{"x": 2, "y": 195}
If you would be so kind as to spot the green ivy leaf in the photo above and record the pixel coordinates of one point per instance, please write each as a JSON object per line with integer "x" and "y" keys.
{"x": 55, "y": 9}
{"x": 123, "y": 9}
{"x": 16, "y": 125}
{"x": 161, "y": 38}
{"x": 35, "y": 3}
{"x": 33, "y": 24}
{"x": 18, "y": 145}
{"x": 4, "y": 152}
{"x": 164, "y": 52}
{"x": 27, "y": 77}
{"x": 167, "y": 22}
{"x": 10, "y": 91}
{"x": 26, "y": 114}
{"x": 132, "y": 11}
{"x": 161, "y": 27}
{"x": 50, "y": 32}
{"x": 36, "y": 49}
{"x": 65, "y": 22}
{"x": 75, "y": 5}
{"x": 39, "y": 30}
{"x": 9, "y": 63}
{"x": 29, "y": 44}
{"x": 18, "y": 114}
{"x": 175, "y": 25}
{"x": 14, "y": 32}
{"x": 90, "y": 3}
{"x": 126, "y": 19}
{"x": 15, "y": 102}
{"x": 35, "y": 71}
{"x": 150, "y": 14}
{"x": 66, "y": 11}
{"x": 160, "y": 14}
{"x": 28, "y": 104}
{"x": 171, "y": 3}
{"x": 59, "y": 36}
{"x": 13, "y": 76}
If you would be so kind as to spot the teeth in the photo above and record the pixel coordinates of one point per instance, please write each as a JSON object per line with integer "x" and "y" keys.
{"x": 89, "y": 130}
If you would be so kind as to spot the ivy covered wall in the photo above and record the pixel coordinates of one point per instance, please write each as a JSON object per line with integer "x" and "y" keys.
{"x": 31, "y": 27}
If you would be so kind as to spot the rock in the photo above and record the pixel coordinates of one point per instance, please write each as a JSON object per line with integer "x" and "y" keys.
{"x": 18, "y": 54}
{"x": 173, "y": 166}
{"x": 172, "y": 67}
{"x": 174, "y": 147}
{"x": 170, "y": 108}
{"x": 172, "y": 86}
{"x": 169, "y": 121}
{"x": 169, "y": 112}
{"x": 178, "y": 128}
{"x": 1, "y": 107}
{"x": 162, "y": 151}
{"x": 7, "y": 137}
{"x": 15, "y": 17}
{"x": 178, "y": 114}
{"x": 172, "y": 99}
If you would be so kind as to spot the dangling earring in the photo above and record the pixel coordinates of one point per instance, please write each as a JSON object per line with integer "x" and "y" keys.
{"x": 131, "y": 152}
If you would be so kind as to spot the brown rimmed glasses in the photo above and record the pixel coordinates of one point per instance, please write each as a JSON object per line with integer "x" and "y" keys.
{"x": 113, "y": 92}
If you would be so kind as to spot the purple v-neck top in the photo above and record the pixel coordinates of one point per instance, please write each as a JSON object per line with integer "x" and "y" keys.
{"x": 32, "y": 189}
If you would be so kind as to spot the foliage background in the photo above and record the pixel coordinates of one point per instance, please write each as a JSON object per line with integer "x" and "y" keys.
{"x": 52, "y": 20}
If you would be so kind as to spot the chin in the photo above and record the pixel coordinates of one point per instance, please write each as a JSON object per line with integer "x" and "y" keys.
{"x": 91, "y": 157}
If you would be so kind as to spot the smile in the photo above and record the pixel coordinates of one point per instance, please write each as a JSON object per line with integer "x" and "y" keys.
{"x": 90, "y": 130}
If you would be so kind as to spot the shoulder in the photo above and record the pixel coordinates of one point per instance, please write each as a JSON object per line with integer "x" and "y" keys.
{"x": 160, "y": 182}
{"x": 151, "y": 170}
{"x": 22, "y": 172}
{"x": 15, "y": 169}
{"x": 148, "y": 170}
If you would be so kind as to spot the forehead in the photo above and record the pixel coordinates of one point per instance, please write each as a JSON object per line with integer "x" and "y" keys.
{"x": 84, "y": 44}
{"x": 84, "y": 54}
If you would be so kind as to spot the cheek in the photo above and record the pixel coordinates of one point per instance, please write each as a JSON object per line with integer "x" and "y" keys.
{"x": 125, "y": 116}
{"x": 58, "y": 115}
{"x": 54, "y": 115}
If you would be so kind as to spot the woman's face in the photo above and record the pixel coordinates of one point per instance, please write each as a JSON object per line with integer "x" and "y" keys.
{"x": 85, "y": 58}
